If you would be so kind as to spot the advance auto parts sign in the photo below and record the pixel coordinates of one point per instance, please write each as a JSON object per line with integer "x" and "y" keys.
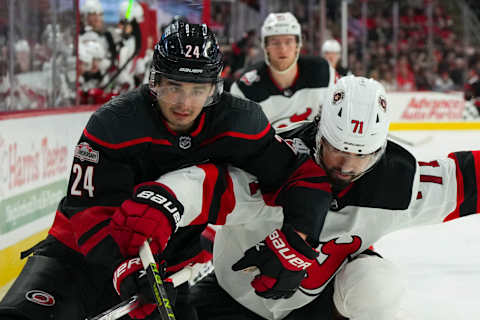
{"x": 429, "y": 106}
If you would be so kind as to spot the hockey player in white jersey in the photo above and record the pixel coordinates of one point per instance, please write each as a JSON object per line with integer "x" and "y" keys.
{"x": 289, "y": 87}
{"x": 378, "y": 187}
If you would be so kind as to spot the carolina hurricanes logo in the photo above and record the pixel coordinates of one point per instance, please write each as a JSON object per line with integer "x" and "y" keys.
{"x": 320, "y": 273}
{"x": 40, "y": 297}
{"x": 338, "y": 96}
{"x": 383, "y": 103}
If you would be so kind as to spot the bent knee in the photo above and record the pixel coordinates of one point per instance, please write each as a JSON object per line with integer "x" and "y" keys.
{"x": 369, "y": 285}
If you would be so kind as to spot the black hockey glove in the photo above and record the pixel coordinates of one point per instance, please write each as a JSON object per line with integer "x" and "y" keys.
{"x": 130, "y": 279}
{"x": 282, "y": 258}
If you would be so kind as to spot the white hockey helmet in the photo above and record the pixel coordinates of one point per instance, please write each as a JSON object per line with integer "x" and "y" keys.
{"x": 92, "y": 6}
{"x": 331, "y": 45}
{"x": 135, "y": 12}
{"x": 354, "y": 119}
{"x": 88, "y": 51}
{"x": 22, "y": 46}
{"x": 283, "y": 23}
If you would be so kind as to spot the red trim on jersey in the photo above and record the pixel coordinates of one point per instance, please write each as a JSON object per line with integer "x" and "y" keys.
{"x": 460, "y": 192}
{"x": 344, "y": 191}
{"x": 433, "y": 163}
{"x": 227, "y": 202}
{"x": 61, "y": 229}
{"x": 88, "y": 219}
{"x": 209, "y": 233}
{"x": 94, "y": 240}
{"x": 308, "y": 169}
{"x": 199, "y": 127}
{"x": 432, "y": 179}
{"x": 239, "y": 135}
{"x": 419, "y": 195}
{"x": 476, "y": 158}
{"x": 297, "y": 74}
{"x": 202, "y": 257}
{"x": 211, "y": 176}
{"x": 311, "y": 185}
{"x": 125, "y": 143}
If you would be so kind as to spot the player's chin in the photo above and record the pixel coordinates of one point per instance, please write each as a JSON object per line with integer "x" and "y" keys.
{"x": 339, "y": 180}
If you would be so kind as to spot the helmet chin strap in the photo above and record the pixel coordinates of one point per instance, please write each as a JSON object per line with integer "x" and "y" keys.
{"x": 290, "y": 67}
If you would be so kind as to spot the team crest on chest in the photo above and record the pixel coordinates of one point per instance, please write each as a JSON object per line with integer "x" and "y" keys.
{"x": 250, "y": 77}
{"x": 185, "y": 142}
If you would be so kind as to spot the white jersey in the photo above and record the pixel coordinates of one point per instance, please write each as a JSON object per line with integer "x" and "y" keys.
{"x": 400, "y": 192}
{"x": 301, "y": 101}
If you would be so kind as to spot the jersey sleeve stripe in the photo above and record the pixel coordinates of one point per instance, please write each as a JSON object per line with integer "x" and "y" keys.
{"x": 90, "y": 233}
{"x": 62, "y": 230}
{"x": 240, "y": 135}
{"x": 467, "y": 168}
{"x": 125, "y": 143}
{"x": 311, "y": 185}
{"x": 476, "y": 157}
{"x": 227, "y": 200}
{"x": 211, "y": 175}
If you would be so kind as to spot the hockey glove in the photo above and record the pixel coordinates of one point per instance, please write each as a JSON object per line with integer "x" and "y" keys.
{"x": 282, "y": 258}
{"x": 131, "y": 279}
{"x": 152, "y": 213}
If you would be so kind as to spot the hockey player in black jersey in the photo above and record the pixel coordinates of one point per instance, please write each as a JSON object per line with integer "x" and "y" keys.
{"x": 289, "y": 87}
{"x": 181, "y": 118}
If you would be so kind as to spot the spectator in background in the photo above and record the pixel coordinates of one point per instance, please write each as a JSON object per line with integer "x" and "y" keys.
{"x": 405, "y": 76}
{"x": 387, "y": 79}
{"x": 91, "y": 80}
{"x": 130, "y": 74}
{"x": 22, "y": 56}
{"x": 423, "y": 79}
{"x": 331, "y": 51}
{"x": 457, "y": 72}
{"x": 94, "y": 30}
{"x": 240, "y": 50}
{"x": 443, "y": 82}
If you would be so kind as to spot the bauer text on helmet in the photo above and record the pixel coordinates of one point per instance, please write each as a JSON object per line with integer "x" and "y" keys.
{"x": 353, "y": 126}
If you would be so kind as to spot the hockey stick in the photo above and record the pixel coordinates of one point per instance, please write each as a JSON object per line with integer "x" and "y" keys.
{"x": 410, "y": 143}
{"x": 159, "y": 292}
{"x": 123, "y": 308}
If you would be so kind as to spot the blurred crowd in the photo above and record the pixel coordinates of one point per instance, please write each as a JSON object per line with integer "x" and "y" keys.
{"x": 113, "y": 59}
{"x": 447, "y": 66}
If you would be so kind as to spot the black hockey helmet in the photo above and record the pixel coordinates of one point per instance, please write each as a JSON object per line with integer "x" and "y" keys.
{"x": 187, "y": 52}
{"x": 190, "y": 53}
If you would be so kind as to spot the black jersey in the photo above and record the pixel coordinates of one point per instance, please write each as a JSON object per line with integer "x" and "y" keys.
{"x": 127, "y": 142}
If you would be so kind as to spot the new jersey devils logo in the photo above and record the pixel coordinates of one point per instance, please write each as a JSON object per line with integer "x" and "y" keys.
{"x": 320, "y": 273}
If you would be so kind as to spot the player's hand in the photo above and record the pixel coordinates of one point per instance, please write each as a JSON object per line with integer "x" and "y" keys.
{"x": 152, "y": 213}
{"x": 129, "y": 279}
{"x": 282, "y": 259}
